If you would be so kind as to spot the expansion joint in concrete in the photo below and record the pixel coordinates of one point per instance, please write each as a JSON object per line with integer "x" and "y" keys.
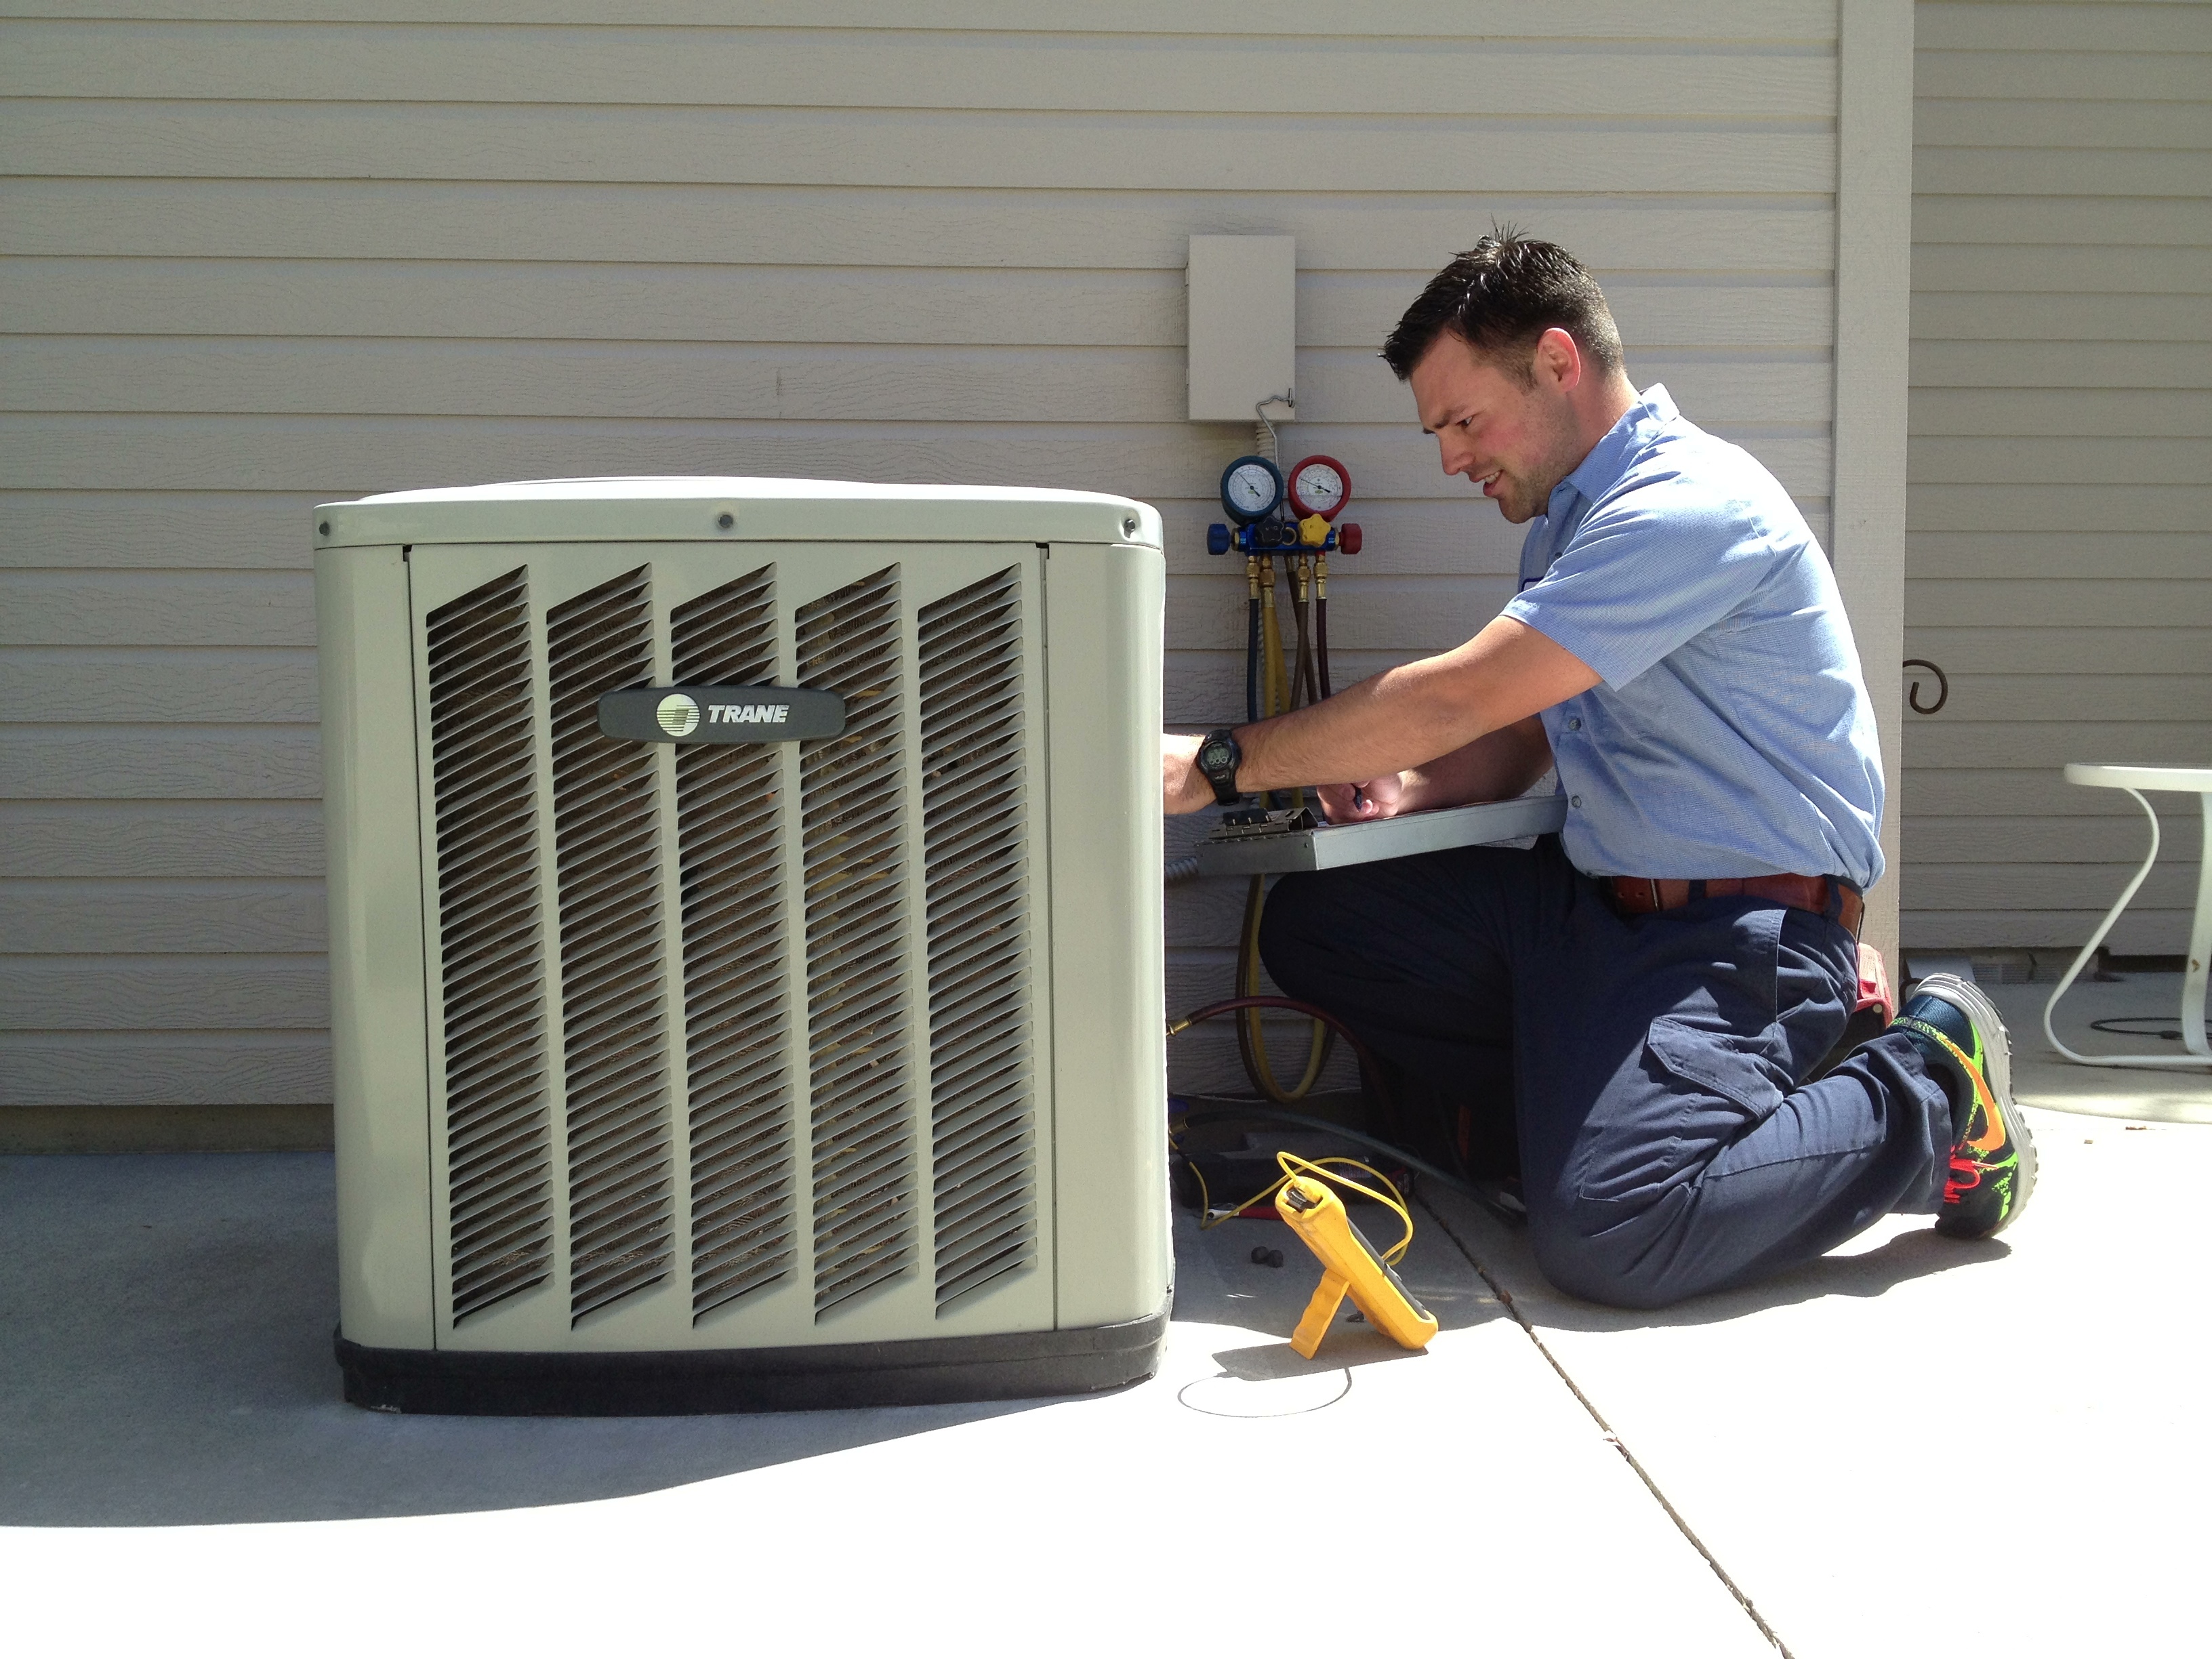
{"x": 1505, "y": 1300}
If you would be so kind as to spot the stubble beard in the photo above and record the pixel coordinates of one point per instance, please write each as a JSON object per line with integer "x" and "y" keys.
{"x": 1529, "y": 498}
{"x": 1514, "y": 502}
{"x": 1520, "y": 500}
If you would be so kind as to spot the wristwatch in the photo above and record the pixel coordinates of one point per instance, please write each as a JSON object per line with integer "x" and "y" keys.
{"x": 1218, "y": 757}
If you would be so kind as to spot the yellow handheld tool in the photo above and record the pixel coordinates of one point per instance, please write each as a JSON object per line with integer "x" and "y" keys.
{"x": 1350, "y": 1266}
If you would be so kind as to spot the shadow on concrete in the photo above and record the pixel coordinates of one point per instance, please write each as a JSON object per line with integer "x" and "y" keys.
{"x": 1907, "y": 1256}
{"x": 165, "y": 1360}
{"x": 1507, "y": 1259}
{"x": 1273, "y": 1361}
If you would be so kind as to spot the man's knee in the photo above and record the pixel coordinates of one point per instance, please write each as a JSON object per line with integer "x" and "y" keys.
{"x": 1293, "y": 928}
{"x": 1614, "y": 1262}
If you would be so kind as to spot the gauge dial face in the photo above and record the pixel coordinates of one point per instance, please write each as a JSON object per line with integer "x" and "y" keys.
{"x": 1319, "y": 484}
{"x": 1250, "y": 489}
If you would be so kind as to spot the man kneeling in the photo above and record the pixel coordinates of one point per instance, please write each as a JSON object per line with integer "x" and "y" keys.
{"x": 1640, "y": 997}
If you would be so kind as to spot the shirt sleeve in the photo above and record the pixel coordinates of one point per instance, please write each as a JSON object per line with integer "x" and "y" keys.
{"x": 1649, "y": 569}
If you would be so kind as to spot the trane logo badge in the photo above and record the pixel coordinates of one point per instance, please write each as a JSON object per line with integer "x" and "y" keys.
{"x": 721, "y": 713}
{"x": 679, "y": 715}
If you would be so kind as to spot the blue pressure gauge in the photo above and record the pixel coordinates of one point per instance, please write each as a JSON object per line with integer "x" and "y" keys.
{"x": 1251, "y": 488}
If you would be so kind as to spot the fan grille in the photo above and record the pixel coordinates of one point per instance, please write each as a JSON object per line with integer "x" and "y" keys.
{"x": 852, "y": 822}
{"x": 983, "y": 1152}
{"x": 746, "y": 1025}
{"x": 484, "y": 773}
{"x": 729, "y": 819}
{"x": 614, "y": 1042}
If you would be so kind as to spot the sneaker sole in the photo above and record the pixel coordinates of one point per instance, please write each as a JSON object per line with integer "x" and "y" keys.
{"x": 1984, "y": 1014}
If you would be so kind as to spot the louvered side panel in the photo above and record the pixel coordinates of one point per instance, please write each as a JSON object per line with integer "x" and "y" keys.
{"x": 484, "y": 770}
{"x": 606, "y": 839}
{"x": 729, "y": 832}
{"x": 853, "y": 816}
{"x": 981, "y": 1085}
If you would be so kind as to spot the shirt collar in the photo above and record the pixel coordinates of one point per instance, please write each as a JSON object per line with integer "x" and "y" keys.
{"x": 1602, "y": 467}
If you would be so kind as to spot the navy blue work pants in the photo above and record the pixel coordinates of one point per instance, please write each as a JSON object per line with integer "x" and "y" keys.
{"x": 1652, "y": 1065}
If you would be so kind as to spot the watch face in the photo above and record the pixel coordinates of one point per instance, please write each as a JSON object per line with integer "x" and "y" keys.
{"x": 1213, "y": 757}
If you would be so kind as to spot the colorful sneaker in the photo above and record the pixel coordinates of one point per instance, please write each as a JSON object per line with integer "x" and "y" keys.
{"x": 1958, "y": 1032}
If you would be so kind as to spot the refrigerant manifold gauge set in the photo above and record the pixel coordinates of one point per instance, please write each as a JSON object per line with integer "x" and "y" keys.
{"x": 1295, "y": 521}
{"x": 1285, "y": 528}
{"x": 1271, "y": 514}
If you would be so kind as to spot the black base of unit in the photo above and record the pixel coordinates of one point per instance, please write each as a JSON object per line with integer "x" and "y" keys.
{"x": 925, "y": 1372}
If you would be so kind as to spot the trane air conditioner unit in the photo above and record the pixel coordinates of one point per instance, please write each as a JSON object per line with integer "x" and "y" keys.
{"x": 786, "y": 1032}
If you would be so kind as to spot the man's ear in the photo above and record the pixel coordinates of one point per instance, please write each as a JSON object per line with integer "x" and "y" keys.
{"x": 1558, "y": 360}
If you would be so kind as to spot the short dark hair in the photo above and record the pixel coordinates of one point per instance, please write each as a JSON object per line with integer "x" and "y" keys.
{"x": 1499, "y": 297}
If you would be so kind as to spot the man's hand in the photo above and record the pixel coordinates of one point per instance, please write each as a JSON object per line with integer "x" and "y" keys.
{"x": 1495, "y": 767}
{"x": 1183, "y": 787}
{"x": 1356, "y": 803}
{"x": 1414, "y": 716}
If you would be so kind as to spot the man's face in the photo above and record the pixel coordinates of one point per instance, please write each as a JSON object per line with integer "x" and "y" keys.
{"x": 1513, "y": 442}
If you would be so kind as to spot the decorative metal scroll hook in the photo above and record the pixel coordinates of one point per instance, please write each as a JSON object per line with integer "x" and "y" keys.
{"x": 1942, "y": 687}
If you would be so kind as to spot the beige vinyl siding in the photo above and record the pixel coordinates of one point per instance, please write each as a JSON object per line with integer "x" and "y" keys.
{"x": 2061, "y": 464}
{"x": 260, "y": 255}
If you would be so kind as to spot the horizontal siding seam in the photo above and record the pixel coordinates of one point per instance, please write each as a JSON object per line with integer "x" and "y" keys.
{"x": 1660, "y": 235}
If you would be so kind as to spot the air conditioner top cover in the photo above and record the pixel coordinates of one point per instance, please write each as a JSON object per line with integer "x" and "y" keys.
{"x": 738, "y": 510}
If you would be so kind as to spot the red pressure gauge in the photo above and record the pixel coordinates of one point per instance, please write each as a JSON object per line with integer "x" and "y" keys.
{"x": 1319, "y": 484}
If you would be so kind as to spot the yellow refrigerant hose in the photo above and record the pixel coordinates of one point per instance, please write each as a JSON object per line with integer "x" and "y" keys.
{"x": 1279, "y": 696}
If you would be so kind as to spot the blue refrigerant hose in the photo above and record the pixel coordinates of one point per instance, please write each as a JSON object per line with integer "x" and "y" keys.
{"x": 1252, "y": 659}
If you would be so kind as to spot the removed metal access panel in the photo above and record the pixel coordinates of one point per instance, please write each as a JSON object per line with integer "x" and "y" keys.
{"x": 1281, "y": 845}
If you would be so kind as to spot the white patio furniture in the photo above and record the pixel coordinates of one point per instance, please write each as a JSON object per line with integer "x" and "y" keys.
{"x": 2192, "y": 779}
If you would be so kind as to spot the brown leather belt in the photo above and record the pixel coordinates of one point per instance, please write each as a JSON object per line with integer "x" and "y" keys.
{"x": 1639, "y": 895}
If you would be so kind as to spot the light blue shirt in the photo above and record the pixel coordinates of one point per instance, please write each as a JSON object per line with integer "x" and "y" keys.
{"x": 1731, "y": 734}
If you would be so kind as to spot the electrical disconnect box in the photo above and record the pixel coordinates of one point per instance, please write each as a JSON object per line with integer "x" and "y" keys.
{"x": 745, "y": 943}
{"x": 1243, "y": 327}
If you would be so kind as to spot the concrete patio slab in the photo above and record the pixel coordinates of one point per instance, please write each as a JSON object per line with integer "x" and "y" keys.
{"x": 2042, "y": 1077}
{"x": 1913, "y": 1436}
{"x": 176, "y": 1459}
{"x": 168, "y": 1362}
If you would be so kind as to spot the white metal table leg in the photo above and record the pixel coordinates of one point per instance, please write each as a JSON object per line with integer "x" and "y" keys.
{"x": 2193, "y": 977}
{"x": 2200, "y": 945}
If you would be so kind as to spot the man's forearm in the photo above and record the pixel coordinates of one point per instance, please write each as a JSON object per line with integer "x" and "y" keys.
{"x": 1406, "y": 718}
{"x": 1495, "y": 767}
{"x": 1382, "y": 725}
